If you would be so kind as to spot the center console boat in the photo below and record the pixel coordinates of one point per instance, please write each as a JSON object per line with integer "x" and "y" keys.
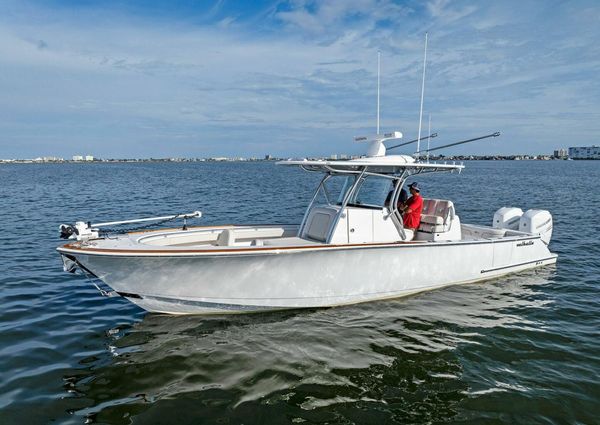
{"x": 350, "y": 247}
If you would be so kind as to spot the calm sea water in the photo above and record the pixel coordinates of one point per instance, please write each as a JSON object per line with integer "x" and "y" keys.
{"x": 521, "y": 349}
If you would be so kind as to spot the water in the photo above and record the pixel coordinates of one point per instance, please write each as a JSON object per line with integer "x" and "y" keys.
{"x": 520, "y": 349}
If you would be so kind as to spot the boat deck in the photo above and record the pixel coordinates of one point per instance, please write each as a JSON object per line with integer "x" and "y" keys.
{"x": 225, "y": 238}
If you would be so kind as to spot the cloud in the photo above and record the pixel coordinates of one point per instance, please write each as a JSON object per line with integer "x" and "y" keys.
{"x": 441, "y": 9}
{"x": 331, "y": 18}
{"x": 230, "y": 78}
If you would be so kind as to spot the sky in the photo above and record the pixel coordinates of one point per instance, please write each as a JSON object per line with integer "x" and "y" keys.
{"x": 140, "y": 79}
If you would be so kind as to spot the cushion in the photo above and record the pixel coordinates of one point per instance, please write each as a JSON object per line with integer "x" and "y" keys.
{"x": 319, "y": 226}
{"x": 432, "y": 228}
{"x": 431, "y": 219}
{"x": 429, "y": 206}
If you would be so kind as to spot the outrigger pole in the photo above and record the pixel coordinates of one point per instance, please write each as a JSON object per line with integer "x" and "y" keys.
{"x": 429, "y": 131}
{"x": 496, "y": 134}
{"x": 412, "y": 141}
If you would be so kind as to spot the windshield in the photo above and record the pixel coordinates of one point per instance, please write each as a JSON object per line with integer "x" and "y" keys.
{"x": 334, "y": 189}
{"x": 373, "y": 192}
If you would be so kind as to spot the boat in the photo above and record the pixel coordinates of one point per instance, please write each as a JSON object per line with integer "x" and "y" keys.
{"x": 350, "y": 246}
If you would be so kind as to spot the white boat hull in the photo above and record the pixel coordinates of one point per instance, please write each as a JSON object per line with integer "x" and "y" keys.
{"x": 251, "y": 280}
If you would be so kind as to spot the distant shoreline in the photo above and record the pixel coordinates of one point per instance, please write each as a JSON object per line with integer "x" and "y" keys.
{"x": 180, "y": 160}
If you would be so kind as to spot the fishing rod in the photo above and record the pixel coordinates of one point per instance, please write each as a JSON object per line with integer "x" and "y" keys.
{"x": 496, "y": 134}
{"x": 431, "y": 136}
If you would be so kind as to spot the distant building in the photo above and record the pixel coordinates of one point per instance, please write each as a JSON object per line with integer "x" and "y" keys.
{"x": 77, "y": 158}
{"x": 268, "y": 157}
{"x": 560, "y": 153}
{"x": 584, "y": 152}
{"x": 334, "y": 157}
{"x": 89, "y": 158}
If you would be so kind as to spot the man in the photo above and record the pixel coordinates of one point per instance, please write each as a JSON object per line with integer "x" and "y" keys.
{"x": 401, "y": 197}
{"x": 412, "y": 208}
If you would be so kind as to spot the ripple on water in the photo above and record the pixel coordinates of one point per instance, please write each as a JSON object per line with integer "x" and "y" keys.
{"x": 519, "y": 349}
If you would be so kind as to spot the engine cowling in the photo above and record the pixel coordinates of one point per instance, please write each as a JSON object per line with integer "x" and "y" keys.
{"x": 537, "y": 222}
{"x": 507, "y": 218}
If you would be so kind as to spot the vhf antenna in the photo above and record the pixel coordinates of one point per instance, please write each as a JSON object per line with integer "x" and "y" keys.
{"x": 422, "y": 94}
{"x": 378, "y": 82}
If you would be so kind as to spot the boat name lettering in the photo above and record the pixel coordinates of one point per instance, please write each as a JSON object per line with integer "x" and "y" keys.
{"x": 525, "y": 243}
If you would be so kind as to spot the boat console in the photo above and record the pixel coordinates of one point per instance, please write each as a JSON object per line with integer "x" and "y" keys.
{"x": 363, "y": 224}
{"x": 356, "y": 224}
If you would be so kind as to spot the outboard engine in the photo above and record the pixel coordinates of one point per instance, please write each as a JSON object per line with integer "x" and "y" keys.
{"x": 537, "y": 222}
{"x": 507, "y": 218}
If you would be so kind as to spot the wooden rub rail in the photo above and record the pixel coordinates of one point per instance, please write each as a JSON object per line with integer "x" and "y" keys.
{"x": 274, "y": 249}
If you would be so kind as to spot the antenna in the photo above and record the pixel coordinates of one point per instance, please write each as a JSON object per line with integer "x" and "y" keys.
{"x": 378, "y": 79}
{"x": 429, "y": 132}
{"x": 376, "y": 146}
{"x": 422, "y": 94}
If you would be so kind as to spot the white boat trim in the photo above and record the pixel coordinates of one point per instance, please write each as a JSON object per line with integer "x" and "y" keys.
{"x": 78, "y": 248}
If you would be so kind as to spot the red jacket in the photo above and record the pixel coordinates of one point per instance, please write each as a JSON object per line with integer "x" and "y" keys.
{"x": 413, "y": 219}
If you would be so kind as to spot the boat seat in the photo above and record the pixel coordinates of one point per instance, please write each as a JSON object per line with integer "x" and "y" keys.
{"x": 432, "y": 219}
{"x": 437, "y": 216}
{"x": 318, "y": 223}
{"x": 226, "y": 238}
{"x": 428, "y": 206}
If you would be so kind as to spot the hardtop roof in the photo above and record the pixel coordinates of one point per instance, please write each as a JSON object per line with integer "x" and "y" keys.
{"x": 390, "y": 165}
